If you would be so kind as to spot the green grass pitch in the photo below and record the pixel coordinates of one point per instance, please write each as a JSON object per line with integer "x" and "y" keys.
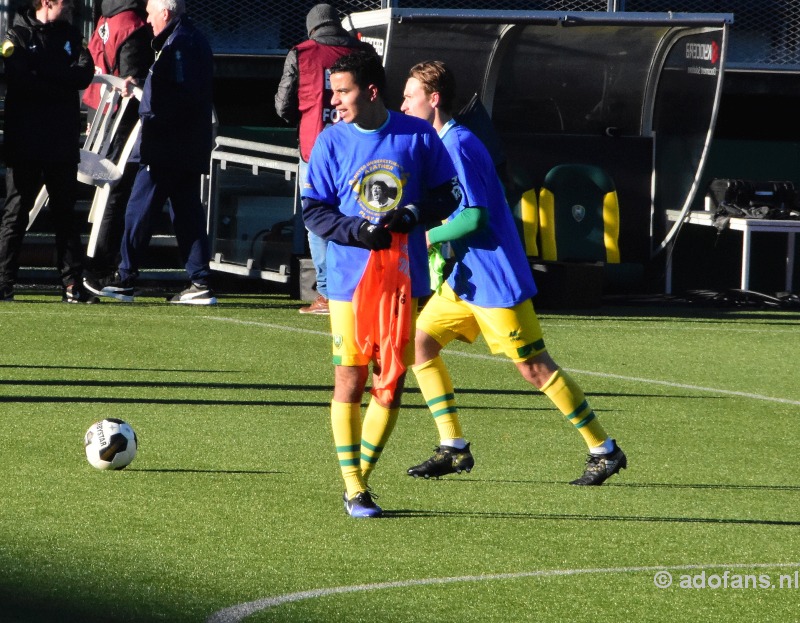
{"x": 232, "y": 509}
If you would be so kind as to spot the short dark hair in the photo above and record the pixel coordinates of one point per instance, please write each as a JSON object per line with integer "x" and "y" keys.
{"x": 436, "y": 77}
{"x": 366, "y": 68}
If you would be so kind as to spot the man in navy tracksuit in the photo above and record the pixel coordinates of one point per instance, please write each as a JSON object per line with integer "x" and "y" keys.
{"x": 173, "y": 152}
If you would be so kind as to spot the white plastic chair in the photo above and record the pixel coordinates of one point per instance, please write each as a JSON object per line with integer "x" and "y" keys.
{"x": 95, "y": 168}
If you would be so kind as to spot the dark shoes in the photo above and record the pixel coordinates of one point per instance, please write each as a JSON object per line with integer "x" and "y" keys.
{"x": 114, "y": 287}
{"x": 445, "y": 460}
{"x": 600, "y": 467}
{"x": 76, "y": 293}
{"x": 122, "y": 289}
{"x": 6, "y": 293}
{"x": 72, "y": 293}
{"x": 195, "y": 294}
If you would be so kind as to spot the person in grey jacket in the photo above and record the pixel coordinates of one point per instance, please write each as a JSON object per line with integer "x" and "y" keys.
{"x": 304, "y": 99}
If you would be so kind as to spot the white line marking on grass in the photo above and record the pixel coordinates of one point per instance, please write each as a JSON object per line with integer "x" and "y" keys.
{"x": 499, "y": 358}
{"x": 239, "y": 612}
{"x": 267, "y": 325}
{"x": 637, "y": 379}
{"x": 692, "y": 325}
{"x": 727, "y": 392}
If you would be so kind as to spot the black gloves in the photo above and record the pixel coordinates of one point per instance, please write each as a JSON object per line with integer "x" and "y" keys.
{"x": 374, "y": 237}
{"x": 401, "y": 220}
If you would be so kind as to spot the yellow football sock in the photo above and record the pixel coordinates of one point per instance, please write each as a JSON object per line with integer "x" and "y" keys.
{"x": 437, "y": 390}
{"x": 346, "y": 424}
{"x": 568, "y": 397}
{"x": 378, "y": 425}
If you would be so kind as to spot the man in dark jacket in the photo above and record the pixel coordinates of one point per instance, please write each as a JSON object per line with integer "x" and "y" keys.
{"x": 120, "y": 46}
{"x": 45, "y": 72}
{"x": 173, "y": 151}
{"x": 304, "y": 99}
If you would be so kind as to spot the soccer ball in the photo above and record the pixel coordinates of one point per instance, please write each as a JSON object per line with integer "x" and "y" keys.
{"x": 110, "y": 444}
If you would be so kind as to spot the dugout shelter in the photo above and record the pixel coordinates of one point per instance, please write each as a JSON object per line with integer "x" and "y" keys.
{"x": 635, "y": 94}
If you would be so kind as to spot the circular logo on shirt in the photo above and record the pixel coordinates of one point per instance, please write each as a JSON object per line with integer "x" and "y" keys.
{"x": 380, "y": 191}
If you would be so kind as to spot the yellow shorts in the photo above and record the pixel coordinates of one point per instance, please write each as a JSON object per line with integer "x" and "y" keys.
{"x": 345, "y": 350}
{"x": 514, "y": 331}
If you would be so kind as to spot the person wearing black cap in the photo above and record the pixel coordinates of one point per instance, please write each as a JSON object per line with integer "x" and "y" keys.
{"x": 304, "y": 99}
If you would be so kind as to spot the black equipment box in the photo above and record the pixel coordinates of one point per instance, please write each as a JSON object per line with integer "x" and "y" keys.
{"x": 751, "y": 194}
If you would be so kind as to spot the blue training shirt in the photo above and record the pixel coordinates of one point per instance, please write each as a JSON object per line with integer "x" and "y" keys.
{"x": 360, "y": 174}
{"x": 491, "y": 267}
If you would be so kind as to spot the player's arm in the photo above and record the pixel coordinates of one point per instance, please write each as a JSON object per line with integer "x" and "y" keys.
{"x": 328, "y": 222}
{"x": 466, "y": 222}
{"x": 439, "y": 203}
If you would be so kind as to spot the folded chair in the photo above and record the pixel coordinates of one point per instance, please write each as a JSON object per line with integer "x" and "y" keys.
{"x": 96, "y": 168}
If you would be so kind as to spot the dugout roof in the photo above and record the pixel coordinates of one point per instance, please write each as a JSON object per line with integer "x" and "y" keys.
{"x": 636, "y": 93}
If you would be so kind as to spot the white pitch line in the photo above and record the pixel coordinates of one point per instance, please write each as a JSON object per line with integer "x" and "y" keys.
{"x": 237, "y": 613}
{"x": 727, "y": 392}
{"x": 498, "y": 358}
{"x": 267, "y": 325}
{"x": 691, "y": 326}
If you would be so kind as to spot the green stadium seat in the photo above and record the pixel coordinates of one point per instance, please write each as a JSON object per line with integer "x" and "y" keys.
{"x": 579, "y": 215}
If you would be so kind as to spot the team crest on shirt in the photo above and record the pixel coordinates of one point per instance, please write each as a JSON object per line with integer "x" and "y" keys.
{"x": 379, "y": 188}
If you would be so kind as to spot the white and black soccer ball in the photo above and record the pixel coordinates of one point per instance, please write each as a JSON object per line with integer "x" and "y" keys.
{"x": 110, "y": 444}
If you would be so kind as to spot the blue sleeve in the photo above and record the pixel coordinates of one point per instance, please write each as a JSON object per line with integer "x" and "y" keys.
{"x": 320, "y": 199}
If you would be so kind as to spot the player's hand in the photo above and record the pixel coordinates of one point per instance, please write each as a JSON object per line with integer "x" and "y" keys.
{"x": 401, "y": 220}
{"x": 374, "y": 237}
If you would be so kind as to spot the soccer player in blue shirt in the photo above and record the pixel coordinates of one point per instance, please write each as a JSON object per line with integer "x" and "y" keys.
{"x": 368, "y": 145}
{"x": 489, "y": 291}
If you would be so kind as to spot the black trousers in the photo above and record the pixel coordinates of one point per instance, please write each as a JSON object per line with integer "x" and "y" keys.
{"x": 23, "y": 183}
{"x": 109, "y": 238}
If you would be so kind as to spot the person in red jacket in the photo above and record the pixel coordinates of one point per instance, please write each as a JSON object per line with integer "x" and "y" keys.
{"x": 120, "y": 46}
{"x": 304, "y": 99}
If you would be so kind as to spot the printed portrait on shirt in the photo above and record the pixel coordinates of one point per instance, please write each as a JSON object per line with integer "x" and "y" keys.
{"x": 379, "y": 189}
